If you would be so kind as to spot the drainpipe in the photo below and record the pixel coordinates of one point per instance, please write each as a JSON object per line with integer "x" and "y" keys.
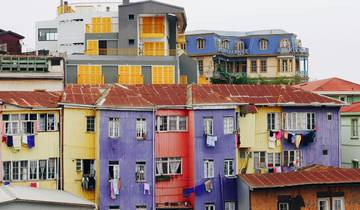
{"x": 339, "y": 139}
{"x": 154, "y": 162}
{"x": 61, "y": 149}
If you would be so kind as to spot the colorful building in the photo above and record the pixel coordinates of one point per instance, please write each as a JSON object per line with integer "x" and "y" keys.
{"x": 267, "y": 54}
{"x": 349, "y": 93}
{"x": 30, "y": 146}
{"x": 10, "y": 42}
{"x": 314, "y": 188}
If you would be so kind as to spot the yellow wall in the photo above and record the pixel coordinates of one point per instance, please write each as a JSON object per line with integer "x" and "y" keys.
{"x": 272, "y": 68}
{"x": 254, "y": 135}
{"x": 78, "y": 144}
{"x": 46, "y": 146}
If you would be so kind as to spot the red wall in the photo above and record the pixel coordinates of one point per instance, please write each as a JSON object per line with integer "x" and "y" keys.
{"x": 13, "y": 44}
{"x": 175, "y": 144}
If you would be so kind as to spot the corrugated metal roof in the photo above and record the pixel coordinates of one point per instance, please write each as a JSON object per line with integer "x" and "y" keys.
{"x": 17, "y": 193}
{"x": 257, "y": 94}
{"x": 31, "y": 99}
{"x": 330, "y": 84}
{"x": 239, "y": 33}
{"x": 82, "y": 94}
{"x": 355, "y": 107}
{"x": 302, "y": 177}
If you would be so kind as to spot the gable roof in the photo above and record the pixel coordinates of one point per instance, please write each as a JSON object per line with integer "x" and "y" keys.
{"x": 355, "y": 107}
{"x": 31, "y": 99}
{"x": 302, "y": 178}
{"x": 82, "y": 94}
{"x": 3, "y": 32}
{"x": 37, "y": 195}
{"x": 258, "y": 94}
{"x": 333, "y": 84}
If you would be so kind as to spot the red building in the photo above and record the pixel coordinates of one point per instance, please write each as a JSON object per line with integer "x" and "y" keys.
{"x": 10, "y": 42}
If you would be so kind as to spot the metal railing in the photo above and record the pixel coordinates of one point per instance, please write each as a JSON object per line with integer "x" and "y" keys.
{"x": 130, "y": 52}
{"x": 102, "y": 28}
{"x": 64, "y": 9}
{"x": 233, "y": 52}
{"x": 152, "y": 30}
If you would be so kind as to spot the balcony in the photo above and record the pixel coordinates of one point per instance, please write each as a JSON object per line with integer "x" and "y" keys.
{"x": 63, "y": 9}
{"x": 130, "y": 52}
{"x": 102, "y": 28}
{"x": 152, "y": 31}
{"x": 232, "y": 52}
{"x": 296, "y": 50}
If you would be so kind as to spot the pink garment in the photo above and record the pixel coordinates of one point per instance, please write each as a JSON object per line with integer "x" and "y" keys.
{"x": 278, "y": 135}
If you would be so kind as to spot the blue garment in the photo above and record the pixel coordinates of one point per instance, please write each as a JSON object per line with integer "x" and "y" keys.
{"x": 9, "y": 141}
{"x": 200, "y": 189}
{"x": 187, "y": 192}
{"x": 31, "y": 141}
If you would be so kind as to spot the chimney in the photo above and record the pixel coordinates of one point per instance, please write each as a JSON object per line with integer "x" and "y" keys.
{"x": 107, "y": 9}
{"x": 65, "y": 3}
{"x": 126, "y": 2}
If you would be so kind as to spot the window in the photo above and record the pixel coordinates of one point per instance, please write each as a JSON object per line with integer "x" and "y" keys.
{"x": 78, "y": 165}
{"x": 6, "y": 170}
{"x": 24, "y": 170}
{"x": 47, "y": 34}
{"x": 325, "y": 152}
{"x": 259, "y": 160}
{"x": 90, "y": 124}
{"x": 11, "y": 124}
{"x": 131, "y": 17}
{"x": 273, "y": 160}
{"x": 229, "y": 167}
{"x": 171, "y": 123}
{"x": 33, "y": 169}
{"x": 51, "y": 168}
{"x": 299, "y": 121}
{"x": 163, "y": 74}
{"x": 141, "y": 128}
{"x": 42, "y": 169}
{"x": 200, "y": 43}
{"x": 355, "y": 163}
{"x": 253, "y": 66}
{"x": 16, "y": 124}
{"x": 284, "y": 66}
{"x": 140, "y": 172}
{"x": 323, "y": 204}
{"x": 114, "y": 170}
{"x": 168, "y": 166}
{"x": 273, "y": 121}
{"x": 28, "y": 123}
{"x": 200, "y": 64}
{"x": 228, "y": 125}
{"x": 329, "y": 116}
{"x": 208, "y": 126}
{"x": 131, "y": 42}
{"x": 338, "y": 203}
{"x": 354, "y": 128}
{"x": 142, "y": 207}
{"x": 15, "y": 170}
{"x": 343, "y": 98}
{"x": 114, "y": 126}
{"x": 50, "y": 122}
{"x": 229, "y": 205}
{"x": 284, "y": 43}
{"x": 240, "y": 46}
{"x": 263, "y": 44}
{"x": 209, "y": 169}
{"x": 209, "y": 206}
{"x": 114, "y": 207}
{"x": 283, "y": 206}
{"x": 292, "y": 158}
{"x": 225, "y": 44}
{"x": 263, "y": 65}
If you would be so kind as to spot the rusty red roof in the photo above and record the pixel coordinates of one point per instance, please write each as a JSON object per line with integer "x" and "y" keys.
{"x": 331, "y": 84}
{"x": 256, "y": 94}
{"x": 302, "y": 177}
{"x": 83, "y": 94}
{"x": 355, "y": 107}
{"x": 31, "y": 99}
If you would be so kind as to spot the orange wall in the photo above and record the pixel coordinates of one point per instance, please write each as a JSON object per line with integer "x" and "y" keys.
{"x": 174, "y": 144}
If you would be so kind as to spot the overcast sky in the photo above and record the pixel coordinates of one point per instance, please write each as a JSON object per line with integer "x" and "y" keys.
{"x": 330, "y": 28}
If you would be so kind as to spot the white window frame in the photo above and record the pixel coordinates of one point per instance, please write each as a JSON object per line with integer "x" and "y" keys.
{"x": 284, "y": 43}
{"x": 141, "y": 128}
{"x": 263, "y": 44}
{"x": 258, "y": 163}
{"x": 9, "y": 125}
{"x": 327, "y": 202}
{"x": 141, "y": 207}
{"x": 46, "y": 170}
{"x": 209, "y": 206}
{"x": 273, "y": 121}
{"x": 49, "y": 125}
{"x": 229, "y": 167}
{"x": 116, "y": 169}
{"x": 114, "y": 127}
{"x": 208, "y": 126}
{"x": 263, "y": 65}
{"x": 253, "y": 68}
{"x": 299, "y": 121}
{"x": 24, "y": 176}
{"x": 200, "y": 66}
{"x": 209, "y": 168}
{"x": 54, "y": 174}
{"x": 13, "y": 173}
{"x": 283, "y": 206}
{"x": 140, "y": 171}
{"x": 163, "y": 123}
{"x": 200, "y": 43}
{"x": 228, "y": 125}
{"x": 7, "y": 171}
{"x": 284, "y": 65}
{"x": 354, "y": 128}
{"x": 273, "y": 158}
{"x": 167, "y": 161}
{"x": 343, "y": 97}
{"x": 341, "y": 199}
{"x": 229, "y": 205}
{"x": 293, "y": 155}
{"x": 36, "y": 169}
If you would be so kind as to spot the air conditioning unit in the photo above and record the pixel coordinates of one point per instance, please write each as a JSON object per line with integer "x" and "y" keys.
{"x": 3, "y": 47}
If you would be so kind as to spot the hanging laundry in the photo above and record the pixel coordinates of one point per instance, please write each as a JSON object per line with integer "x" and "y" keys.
{"x": 211, "y": 140}
{"x": 271, "y": 144}
{"x": 4, "y": 139}
{"x": 290, "y": 136}
{"x": 31, "y": 141}
{"x": 278, "y": 169}
{"x": 9, "y": 141}
{"x": 308, "y": 138}
{"x": 298, "y": 140}
{"x": 17, "y": 142}
{"x": 200, "y": 189}
{"x": 187, "y": 192}
{"x": 271, "y": 133}
{"x": 24, "y": 139}
{"x": 278, "y": 143}
{"x": 278, "y": 135}
{"x": 114, "y": 190}
{"x": 208, "y": 185}
{"x": 146, "y": 188}
{"x": 293, "y": 139}
{"x": 286, "y": 135}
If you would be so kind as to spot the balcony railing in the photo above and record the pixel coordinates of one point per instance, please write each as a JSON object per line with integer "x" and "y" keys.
{"x": 130, "y": 52}
{"x": 298, "y": 50}
{"x": 64, "y": 9}
{"x": 152, "y": 30}
{"x": 232, "y": 52}
{"x": 102, "y": 28}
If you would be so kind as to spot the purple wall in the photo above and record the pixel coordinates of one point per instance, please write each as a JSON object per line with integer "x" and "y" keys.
{"x": 225, "y": 148}
{"x": 327, "y": 137}
{"x": 127, "y": 150}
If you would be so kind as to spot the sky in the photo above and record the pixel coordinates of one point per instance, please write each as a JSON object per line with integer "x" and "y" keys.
{"x": 330, "y": 28}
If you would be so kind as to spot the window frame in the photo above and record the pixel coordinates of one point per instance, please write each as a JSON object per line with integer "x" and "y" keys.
{"x": 200, "y": 43}
{"x": 228, "y": 164}
{"x": 334, "y": 199}
{"x": 263, "y": 65}
{"x": 354, "y": 128}
{"x": 263, "y": 44}
{"x": 53, "y": 34}
{"x": 90, "y": 124}
{"x": 297, "y": 155}
{"x": 299, "y": 121}
{"x": 209, "y": 168}
{"x": 36, "y": 168}
{"x": 7, "y": 168}
{"x": 141, "y": 128}
{"x": 210, "y": 206}
{"x": 231, "y": 205}
{"x": 166, "y": 161}
{"x": 327, "y": 202}
{"x": 114, "y": 127}
{"x": 115, "y": 165}
{"x": 163, "y": 123}
{"x": 228, "y": 124}
{"x": 208, "y": 126}
{"x": 261, "y": 156}
{"x": 140, "y": 171}
{"x": 273, "y": 121}
{"x": 253, "y": 66}
{"x": 200, "y": 66}
{"x": 281, "y": 207}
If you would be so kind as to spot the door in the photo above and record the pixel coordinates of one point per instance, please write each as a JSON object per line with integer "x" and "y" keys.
{"x": 324, "y": 204}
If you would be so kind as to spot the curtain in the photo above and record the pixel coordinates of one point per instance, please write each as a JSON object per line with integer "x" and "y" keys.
{"x": 159, "y": 167}
{"x": 174, "y": 166}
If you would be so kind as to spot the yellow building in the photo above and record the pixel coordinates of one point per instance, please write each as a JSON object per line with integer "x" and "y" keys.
{"x": 30, "y": 131}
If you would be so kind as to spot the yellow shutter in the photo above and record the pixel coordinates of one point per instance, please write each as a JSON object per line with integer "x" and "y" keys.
{"x": 89, "y": 75}
{"x": 96, "y": 25}
{"x": 163, "y": 74}
{"x": 130, "y": 75}
{"x": 154, "y": 48}
{"x": 106, "y": 25}
{"x": 203, "y": 80}
{"x": 183, "y": 79}
{"x": 92, "y": 47}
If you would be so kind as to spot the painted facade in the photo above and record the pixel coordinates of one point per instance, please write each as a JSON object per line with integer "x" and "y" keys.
{"x": 258, "y": 54}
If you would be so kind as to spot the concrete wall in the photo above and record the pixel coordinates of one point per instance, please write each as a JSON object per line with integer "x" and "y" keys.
{"x": 224, "y": 188}
{"x": 188, "y": 67}
{"x": 127, "y": 150}
{"x": 30, "y": 85}
{"x": 350, "y": 147}
{"x": 39, "y": 206}
{"x": 243, "y": 195}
